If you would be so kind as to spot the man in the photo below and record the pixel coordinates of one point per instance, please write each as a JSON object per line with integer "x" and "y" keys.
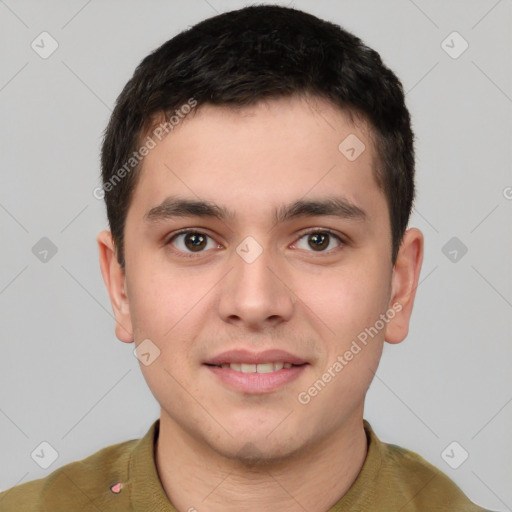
{"x": 258, "y": 173}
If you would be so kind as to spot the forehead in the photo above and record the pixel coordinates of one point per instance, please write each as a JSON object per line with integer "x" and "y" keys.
{"x": 274, "y": 152}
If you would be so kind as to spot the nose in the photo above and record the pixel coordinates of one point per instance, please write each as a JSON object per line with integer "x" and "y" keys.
{"x": 256, "y": 294}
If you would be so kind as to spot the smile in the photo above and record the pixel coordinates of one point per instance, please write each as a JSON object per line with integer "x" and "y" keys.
{"x": 256, "y": 378}
{"x": 256, "y": 368}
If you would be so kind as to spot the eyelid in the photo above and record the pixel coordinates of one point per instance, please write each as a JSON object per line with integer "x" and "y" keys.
{"x": 337, "y": 235}
{"x": 183, "y": 231}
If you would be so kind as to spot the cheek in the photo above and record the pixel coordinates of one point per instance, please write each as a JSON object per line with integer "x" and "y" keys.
{"x": 346, "y": 300}
{"x": 159, "y": 298}
{"x": 170, "y": 307}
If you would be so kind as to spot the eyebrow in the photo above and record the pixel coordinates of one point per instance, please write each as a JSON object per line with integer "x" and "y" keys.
{"x": 174, "y": 206}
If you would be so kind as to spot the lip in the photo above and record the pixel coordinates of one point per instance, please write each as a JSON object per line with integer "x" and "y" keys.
{"x": 246, "y": 356}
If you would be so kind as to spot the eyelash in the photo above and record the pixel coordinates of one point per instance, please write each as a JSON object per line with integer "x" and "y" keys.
{"x": 302, "y": 235}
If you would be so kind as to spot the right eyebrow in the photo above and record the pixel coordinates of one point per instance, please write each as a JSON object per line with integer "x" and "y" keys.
{"x": 179, "y": 207}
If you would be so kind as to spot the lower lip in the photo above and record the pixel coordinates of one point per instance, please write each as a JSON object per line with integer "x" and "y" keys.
{"x": 257, "y": 382}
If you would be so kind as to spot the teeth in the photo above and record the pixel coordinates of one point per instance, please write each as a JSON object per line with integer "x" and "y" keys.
{"x": 257, "y": 368}
{"x": 265, "y": 368}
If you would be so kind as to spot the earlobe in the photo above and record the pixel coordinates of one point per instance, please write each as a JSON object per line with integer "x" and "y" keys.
{"x": 406, "y": 273}
{"x": 114, "y": 278}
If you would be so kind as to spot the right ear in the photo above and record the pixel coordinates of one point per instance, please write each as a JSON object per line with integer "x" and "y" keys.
{"x": 115, "y": 281}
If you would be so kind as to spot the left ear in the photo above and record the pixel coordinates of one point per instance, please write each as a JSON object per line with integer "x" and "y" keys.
{"x": 404, "y": 282}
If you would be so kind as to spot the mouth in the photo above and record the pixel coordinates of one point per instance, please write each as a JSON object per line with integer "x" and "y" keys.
{"x": 269, "y": 367}
{"x": 256, "y": 373}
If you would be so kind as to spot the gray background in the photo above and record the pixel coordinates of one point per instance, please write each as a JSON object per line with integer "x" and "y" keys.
{"x": 65, "y": 378}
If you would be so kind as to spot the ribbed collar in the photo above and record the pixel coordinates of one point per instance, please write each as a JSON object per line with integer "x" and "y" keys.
{"x": 361, "y": 494}
{"x": 146, "y": 489}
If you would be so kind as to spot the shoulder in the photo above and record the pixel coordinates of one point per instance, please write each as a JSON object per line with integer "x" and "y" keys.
{"x": 79, "y": 486}
{"x": 420, "y": 485}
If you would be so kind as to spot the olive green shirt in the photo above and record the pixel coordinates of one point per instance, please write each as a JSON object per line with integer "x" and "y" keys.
{"x": 123, "y": 478}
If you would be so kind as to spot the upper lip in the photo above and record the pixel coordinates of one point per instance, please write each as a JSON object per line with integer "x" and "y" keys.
{"x": 247, "y": 356}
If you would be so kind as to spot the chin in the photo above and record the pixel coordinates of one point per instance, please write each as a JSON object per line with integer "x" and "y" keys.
{"x": 257, "y": 451}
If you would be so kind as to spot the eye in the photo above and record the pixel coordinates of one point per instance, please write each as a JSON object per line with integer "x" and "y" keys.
{"x": 319, "y": 240}
{"x": 190, "y": 241}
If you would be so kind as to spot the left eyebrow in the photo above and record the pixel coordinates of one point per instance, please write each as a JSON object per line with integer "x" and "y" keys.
{"x": 335, "y": 206}
{"x": 181, "y": 207}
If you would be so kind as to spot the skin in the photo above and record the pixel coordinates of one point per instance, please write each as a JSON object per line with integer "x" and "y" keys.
{"x": 221, "y": 449}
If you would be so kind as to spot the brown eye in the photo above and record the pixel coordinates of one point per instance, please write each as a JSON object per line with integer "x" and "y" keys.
{"x": 195, "y": 241}
{"x": 192, "y": 242}
{"x": 319, "y": 241}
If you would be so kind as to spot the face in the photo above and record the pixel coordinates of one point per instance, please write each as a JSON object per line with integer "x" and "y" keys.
{"x": 260, "y": 308}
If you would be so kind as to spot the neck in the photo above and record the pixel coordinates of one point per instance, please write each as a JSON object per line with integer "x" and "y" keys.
{"x": 195, "y": 477}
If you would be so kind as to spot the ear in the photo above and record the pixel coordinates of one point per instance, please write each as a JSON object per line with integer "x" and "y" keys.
{"x": 404, "y": 283}
{"x": 114, "y": 277}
